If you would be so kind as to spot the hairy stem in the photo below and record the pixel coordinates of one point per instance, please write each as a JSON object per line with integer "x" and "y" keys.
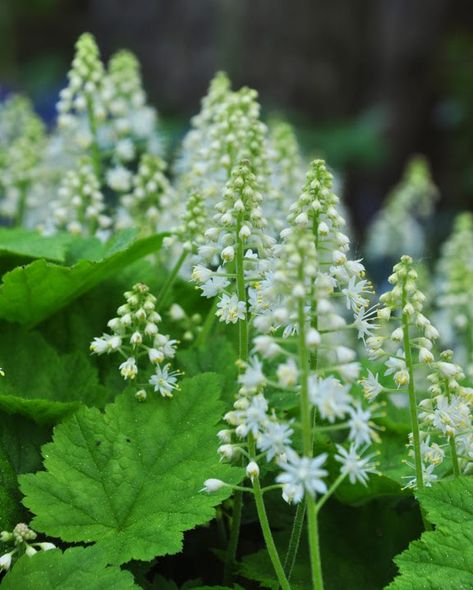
{"x": 265, "y": 528}
{"x": 294, "y": 540}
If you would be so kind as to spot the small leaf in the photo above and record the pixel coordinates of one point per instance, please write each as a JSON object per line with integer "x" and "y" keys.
{"x": 129, "y": 479}
{"x": 31, "y": 293}
{"x": 75, "y": 569}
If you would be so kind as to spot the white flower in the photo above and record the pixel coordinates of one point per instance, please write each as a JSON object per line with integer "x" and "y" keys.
{"x": 353, "y": 293}
{"x": 254, "y": 417}
{"x": 212, "y": 485}
{"x": 164, "y": 381}
{"x": 230, "y": 309}
{"x": 371, "y": 386}
{"x": 252, "y": 470}
{"x": 119, "y": 179}
{"x": 302, "y": 474}
{"x": 266, "y": 346}
{"x": 330, "y": 397}
{"x": 106, "y": 343}
{"x": 360, "y": 426}
{"x": 128, "y": 369}
{"x": 5, "y": 561}
{"x": 425, "y": 356}
{"x": 356, "y": 467}
{"x": 450, "y": 416}
{"x": 253, "y": 377}
{"x": 274, "y": 439}
{"x": 45, "y": 546}
{"x": 155, "y": 356}
{"x": 287, "y": 373}
{"x": 214, "y": 285}
{"x": 201, "y": 274}
{"x": 362, "y": 321}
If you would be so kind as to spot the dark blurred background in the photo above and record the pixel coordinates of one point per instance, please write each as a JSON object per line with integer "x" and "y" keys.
{"x": 367, "y": 83}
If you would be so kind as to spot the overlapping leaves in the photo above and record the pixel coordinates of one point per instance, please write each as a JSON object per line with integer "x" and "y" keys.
{"x": 128, "y": 480}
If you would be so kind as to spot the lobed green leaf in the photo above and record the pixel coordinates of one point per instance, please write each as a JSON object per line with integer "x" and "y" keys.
{"x": 129, "y": 479}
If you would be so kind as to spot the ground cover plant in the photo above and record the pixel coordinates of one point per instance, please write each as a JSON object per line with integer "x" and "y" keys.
{"x": 201, "y": 385}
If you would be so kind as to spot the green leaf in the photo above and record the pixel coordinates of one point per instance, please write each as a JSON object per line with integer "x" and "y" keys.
{"x": 449, "y": 502}
{"x": 40, "y": 383}
{"x": 217, "y": 356}
{"x": 20, "y": 442}
{"x": 76, "y": 568}
{"x": 31, "y": 293}
{"x": 29, "y": 243}
{"x": 442, "y": 558}
{"x": 129, "y": 479}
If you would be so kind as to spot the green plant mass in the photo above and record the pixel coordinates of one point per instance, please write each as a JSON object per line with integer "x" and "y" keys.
{"x": 201, "y": 385}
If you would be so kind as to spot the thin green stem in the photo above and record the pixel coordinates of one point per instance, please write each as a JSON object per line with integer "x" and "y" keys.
{"x": 330, "y": 492}
{"x": 312, "y": 524}
{"x": 171, "y": 279}
{"x": 266, "y": 529}
{"x": 294, "y": 540}
{"x": 412, "y": 394}
{"x": 454, "y": 455}
{"x": 413, "y": 403}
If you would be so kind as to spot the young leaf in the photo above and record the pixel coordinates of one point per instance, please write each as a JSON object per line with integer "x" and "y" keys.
{"x": 31, "y": 293}
{"x": 40, "y": 383}
{"x": 442, "y": 558}
{"x": 76, "y": 568}
{"x": 129, "y": 479}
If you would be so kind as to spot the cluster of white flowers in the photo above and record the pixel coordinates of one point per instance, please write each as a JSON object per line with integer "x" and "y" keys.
{"x": 151, "y": 193}
{"x": 24, "y": 541}
{"x": 132, "y": 127}
{"x": 22, "y": 141}
{"x": 410, "y": 347}
{"x": 294, "y": 303}
{"x": 237, "y": 237}
{"x": 396, "y": 228}
{"x": 454, "y": 280}
{"x": 287, "y": 173}
{"x": 81, "y": 104}
{"x": 136, "y": 337}
{"x": 80, "y": 206}
{"x": 227, "y": 130}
